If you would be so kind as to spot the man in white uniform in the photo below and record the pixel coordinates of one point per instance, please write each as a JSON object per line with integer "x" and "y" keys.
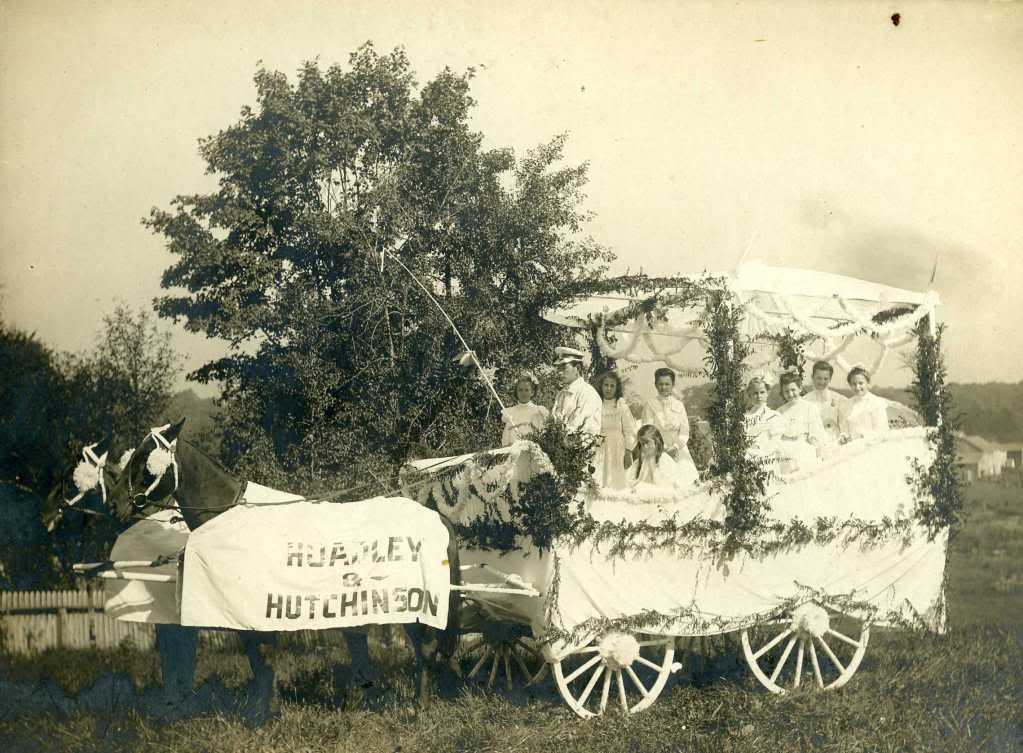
{"x": 577, "y": 404}
{"x": 826, "y": 400}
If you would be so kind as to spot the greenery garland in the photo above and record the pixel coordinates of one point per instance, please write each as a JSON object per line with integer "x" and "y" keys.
{"x": 791, "y": 349}
{"x": 938, "y": 487}
{"x": 745, "y": 479}
{"x": 550, "y": 506}
{"x": 704, "y": 623}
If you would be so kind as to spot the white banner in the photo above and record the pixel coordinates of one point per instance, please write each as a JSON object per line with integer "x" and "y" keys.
{"x": 317, "y": 565}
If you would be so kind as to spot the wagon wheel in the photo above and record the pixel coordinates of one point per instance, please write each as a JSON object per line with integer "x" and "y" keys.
{"x": 502, "y": 653}
{"x": 816, "y": 644}
{"x": 637, "y": 668}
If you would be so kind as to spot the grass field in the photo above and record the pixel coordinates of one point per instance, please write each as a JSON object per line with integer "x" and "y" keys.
{"x": 957, "y": 692}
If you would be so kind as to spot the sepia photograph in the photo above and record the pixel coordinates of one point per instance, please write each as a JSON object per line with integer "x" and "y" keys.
{"x": 638, "y": 377}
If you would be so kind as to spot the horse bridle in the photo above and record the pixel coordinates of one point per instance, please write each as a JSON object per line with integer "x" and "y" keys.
{"x": 161, "y": 442}
{"x": 98, "y": 462}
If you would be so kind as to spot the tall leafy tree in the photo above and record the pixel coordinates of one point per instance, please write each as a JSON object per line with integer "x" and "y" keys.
{"x": 338, "y": 360}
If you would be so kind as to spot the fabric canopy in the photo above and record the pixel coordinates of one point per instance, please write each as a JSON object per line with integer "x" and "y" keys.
{"x": 835, "y": 310}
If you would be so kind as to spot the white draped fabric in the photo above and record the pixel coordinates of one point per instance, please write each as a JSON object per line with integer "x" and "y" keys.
{"x": 835, "y": 310}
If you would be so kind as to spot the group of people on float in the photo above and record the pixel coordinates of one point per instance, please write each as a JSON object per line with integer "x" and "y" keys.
{"x": 652, "y": 450}
{"x": 804, "y": 426}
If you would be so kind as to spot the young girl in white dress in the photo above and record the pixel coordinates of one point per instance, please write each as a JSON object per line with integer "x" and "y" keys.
{"x": 524, "y": 417}
{"x": 864, "y": 414}
{"x": 618, "y": 432}
{"x": 668, "y": 415}
{"x": 763, "y": 424}
{"x": 802, "y": 435}
{"x": 653, "y": 466}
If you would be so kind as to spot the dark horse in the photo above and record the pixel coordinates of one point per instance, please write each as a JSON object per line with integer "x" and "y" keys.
{"x": 79, "y": 523}
{"x": 203, "y": 489}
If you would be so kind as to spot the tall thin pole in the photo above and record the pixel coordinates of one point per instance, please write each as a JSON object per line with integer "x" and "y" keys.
{"x": 470, "y": 351}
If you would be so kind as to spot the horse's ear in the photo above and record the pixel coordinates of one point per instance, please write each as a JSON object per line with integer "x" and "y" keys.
{"x": 172, "y": 433}
{"x": 103, "y": 446}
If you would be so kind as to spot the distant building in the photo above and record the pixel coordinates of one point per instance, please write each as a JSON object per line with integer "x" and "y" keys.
{"x": 979, "y": 458}
{"x": 1013, "y": 454}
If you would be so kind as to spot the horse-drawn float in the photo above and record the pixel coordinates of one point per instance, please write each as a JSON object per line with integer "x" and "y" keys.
{"x": 602, "y": 603}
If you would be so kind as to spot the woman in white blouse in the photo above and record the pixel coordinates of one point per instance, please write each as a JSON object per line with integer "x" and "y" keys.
{"x": 763, "y": 424}
{"x": 802, "y": 434}
{"x": 526, "y": 416}
{"x": 864, "y": 414}
{"x": 617, "y": 430}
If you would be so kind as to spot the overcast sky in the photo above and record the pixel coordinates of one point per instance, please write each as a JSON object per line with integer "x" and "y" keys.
{"x": 817, "y": 135}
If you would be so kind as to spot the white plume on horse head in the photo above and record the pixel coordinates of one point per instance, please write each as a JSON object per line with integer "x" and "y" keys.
{"x": 86, "y": 476}
{"x": 125, "y": 459}
{"x": 159, "y": 461}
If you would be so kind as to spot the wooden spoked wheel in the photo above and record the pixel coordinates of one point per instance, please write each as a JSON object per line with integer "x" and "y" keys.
{"x": 618, "y": 670}
{"x": 814, "y": 645}
{"x": 511, "y": 660}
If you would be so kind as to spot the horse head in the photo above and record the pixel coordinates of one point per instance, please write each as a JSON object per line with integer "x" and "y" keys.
{"x": 83, "y": 486}
{"x": 150, "y": 475}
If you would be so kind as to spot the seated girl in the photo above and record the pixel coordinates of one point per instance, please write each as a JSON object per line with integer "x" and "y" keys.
{"x": 802, "y": 435}
{"x": 763, "y": 424}
{"x": 864, "y": 414}
{"x": 652, "y": 466}
{"x": 524, "y": 417}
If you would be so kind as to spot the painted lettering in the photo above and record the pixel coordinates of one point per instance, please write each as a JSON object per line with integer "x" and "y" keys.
{"x": 415, "y": 599}
{"x": 400, "y": 600}
{"x": 326, "y": 605}
{"x": 432, "y": 600}
{"x": 274, "y": 601}
{"x": 414, "y": 547}
{"x": 294, "y": 554}
{"x": 349, "y": 601}
{"x": 393, "y": 546}
{"x": 313, "y": 601}
{"x": 337, "y": 553}
{"x": 312, "y": 563}
{"x": 379, "y": 601}
{"x": 293, "y": 615}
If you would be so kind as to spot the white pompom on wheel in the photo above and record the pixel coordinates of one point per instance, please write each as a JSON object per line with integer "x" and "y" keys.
{"x": 637, "y": 667}
{"x": 814, "y": 645}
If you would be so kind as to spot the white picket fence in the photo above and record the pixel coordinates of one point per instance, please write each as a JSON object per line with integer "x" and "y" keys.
{"x": 33, "y": 621}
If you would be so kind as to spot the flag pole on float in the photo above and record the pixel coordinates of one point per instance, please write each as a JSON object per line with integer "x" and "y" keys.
{"x": 469, "y": 352}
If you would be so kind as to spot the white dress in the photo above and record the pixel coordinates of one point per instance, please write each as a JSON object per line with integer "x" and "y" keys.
{"x": 618, "y": 429}
{"x": 664, "y": 474}
{"x": 763, "y": 427}
{"x": 669, "y": 416}
{"x": 828, "y": 402}
{"x": 520, "y": 420}
{"x": 802, "y": 433}
{"x": 864, "y": 416}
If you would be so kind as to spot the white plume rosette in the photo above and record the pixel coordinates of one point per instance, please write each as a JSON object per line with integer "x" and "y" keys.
{"x": 159, "y": 461}
{"x": 125, "y": 458}
{"x": 86, "y": 476}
